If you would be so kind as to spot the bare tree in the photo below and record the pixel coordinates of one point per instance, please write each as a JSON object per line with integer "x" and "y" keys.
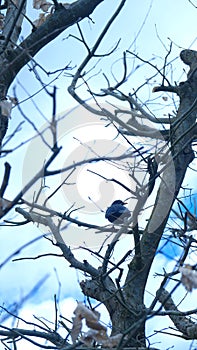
{"x": 156, "y": 165}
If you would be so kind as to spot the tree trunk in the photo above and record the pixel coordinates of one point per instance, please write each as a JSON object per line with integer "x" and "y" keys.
{"x": 126, "y": 306}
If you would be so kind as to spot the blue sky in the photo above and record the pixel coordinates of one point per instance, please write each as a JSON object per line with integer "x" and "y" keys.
{"x": 162, "y": 20}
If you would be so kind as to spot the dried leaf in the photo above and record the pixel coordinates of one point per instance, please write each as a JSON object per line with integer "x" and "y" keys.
{"x": 97, "y": 332}
{"x": 92, "y": 335}
{"x": 87, "y": 340}
{"x": 6, "y": 107}
{"x": 45, "y": 6}
{"x": 42, "y": 5}
{"x": 14, "y": 100}
{"x": 90, "y": 316}
{"x": 111, "y": 342}
{"x": 37, "y": 4}
{"x": 76, "y": 328}
{"x": 86, "y": 313}
{"x": 4, "y": 204}
{"x": 42, "y": 18}
{"x": 101, "y": 338}
{"x": 189, "y": 277}
{"x": 95, "y": 325}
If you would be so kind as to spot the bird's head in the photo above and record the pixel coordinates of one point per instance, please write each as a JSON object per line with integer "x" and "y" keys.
{"x": 118, "y": 202}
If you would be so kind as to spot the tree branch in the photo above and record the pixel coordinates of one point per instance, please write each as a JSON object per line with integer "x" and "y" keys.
{"x": 69, "y": 256}
{"x": 60, "y": 20}
{"x": 183, "y": 324}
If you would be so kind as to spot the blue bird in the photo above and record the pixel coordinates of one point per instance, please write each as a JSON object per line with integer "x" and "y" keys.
{"x": 117, "y": 212}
